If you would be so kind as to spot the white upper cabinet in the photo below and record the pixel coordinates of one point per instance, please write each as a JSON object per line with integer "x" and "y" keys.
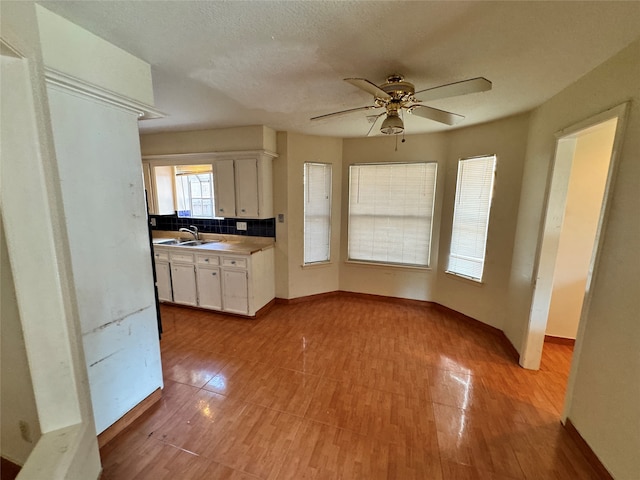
{"x": 247, "y": 188}
{"x": 243, "y": 187}
{"x": 158, "y": 183}
{"x": 225, "y": 188}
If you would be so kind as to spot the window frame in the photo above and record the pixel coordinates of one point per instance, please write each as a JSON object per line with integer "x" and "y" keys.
{"x": 489, "y": 203}
{"x": 327, "y": 167}
{"x": 430, "y": 216}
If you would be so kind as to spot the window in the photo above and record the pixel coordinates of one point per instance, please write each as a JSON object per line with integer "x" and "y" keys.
{"x": 474, "y": 190}
{"x": 317, "y": 212}
{"x": 194, "y": 191}
{"x": 390, "y": 212}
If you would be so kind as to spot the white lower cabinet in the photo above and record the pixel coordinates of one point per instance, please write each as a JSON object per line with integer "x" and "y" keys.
{"x": 163, "y": 282}
{"x": 209, "y": 288}
{"x": 183, "y": 281}
{"x": 235, "y": 283}
{"x": 235, "y": 291}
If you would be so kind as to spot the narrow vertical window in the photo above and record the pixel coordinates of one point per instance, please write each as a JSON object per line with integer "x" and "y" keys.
{"x": 474, "y": 190}
{"x": 317, "y": 212}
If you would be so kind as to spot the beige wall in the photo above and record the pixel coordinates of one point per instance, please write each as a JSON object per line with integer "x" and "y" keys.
{"x": 292, "y": 278}
{"x": 412, "y": 283}
{"x": 582, "y": 211}
{"x": 507, "y": 140}
{"x": 604, "y": 389}
{"x": 255, "y": 137}
{"x": 17, "y": 400}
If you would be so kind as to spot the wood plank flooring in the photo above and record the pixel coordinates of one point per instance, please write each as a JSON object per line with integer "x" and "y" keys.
{"x": 347, "y": 388}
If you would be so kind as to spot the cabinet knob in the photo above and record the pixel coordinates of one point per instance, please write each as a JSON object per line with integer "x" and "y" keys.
{"x": 213, "y": 273}
{"x": 222, "y": 209}
{"x": 243, "y": 210}
{"x": 233, "y": 262}
{"x": 206, "y": 260}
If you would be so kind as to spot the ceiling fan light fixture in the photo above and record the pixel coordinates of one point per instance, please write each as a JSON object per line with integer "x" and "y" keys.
{"x": 392, "y": 125}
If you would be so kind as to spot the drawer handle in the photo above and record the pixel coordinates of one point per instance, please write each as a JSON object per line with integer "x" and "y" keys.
{"x": 213, "y": 273}
{"x": 243, "y": 210}
{"x": 233, "y": 262}
{"x": 206, "y": 260}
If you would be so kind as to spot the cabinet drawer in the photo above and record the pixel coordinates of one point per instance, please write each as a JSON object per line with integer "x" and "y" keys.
{"x": 182, "y": 257}
{"x": 207, "y": 260}
{"x": 161, "y": 256}
{"x": 234, "y": 262}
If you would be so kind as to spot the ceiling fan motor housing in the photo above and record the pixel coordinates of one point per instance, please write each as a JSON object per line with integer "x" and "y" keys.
{"x": 398, "y": 88}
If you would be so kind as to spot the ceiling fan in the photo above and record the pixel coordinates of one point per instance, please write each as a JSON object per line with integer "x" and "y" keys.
{"x": 396, "y": 94}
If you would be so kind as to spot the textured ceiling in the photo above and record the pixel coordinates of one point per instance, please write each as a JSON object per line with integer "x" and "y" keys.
{"x": 221, "y": 64}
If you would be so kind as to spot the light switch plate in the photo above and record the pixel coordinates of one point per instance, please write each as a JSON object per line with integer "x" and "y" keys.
{"x": 241, "y": 225}
{"x": 153, "y": 222}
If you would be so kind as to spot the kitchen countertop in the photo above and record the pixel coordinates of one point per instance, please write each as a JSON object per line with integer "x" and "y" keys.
{"x": 219, "y": 243}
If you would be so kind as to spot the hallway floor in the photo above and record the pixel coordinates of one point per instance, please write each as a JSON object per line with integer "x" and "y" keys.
{"x": 351, "y": 388}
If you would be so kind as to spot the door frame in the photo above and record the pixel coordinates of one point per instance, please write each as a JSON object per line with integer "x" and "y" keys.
{"x": 557, "y": 187}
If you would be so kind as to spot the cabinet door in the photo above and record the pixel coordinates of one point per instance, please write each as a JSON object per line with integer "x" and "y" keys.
{"x": 209, "y": 288}
{"x": 247, "y": 188}
{"x": 183, "y": 279}
{"x": 163, "y": 186}
{"x": 224, "y": 192}
{"x": 235, "y": 291}
{"x": 163, "y": 276}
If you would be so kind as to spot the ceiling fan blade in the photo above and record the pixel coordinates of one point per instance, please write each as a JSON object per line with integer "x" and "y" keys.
{"x": 435, "y": 114}
{"x": 343, "y": 112}
{"x": 464, "y": 87}
{"x": 368, "y": 87}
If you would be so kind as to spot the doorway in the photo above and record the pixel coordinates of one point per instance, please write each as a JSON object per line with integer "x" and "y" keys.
{"x": 577, "y": 201}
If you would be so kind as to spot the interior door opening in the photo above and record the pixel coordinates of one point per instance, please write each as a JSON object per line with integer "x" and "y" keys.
{"x": 576, "y": 212}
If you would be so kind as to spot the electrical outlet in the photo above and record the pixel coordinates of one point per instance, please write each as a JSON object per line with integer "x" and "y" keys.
{"x": 152, "y": 221}
{"x": 241, "y": 225}
{"x": 281, "y": 218}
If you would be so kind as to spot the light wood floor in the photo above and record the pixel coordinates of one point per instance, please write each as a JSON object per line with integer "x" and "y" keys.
{"x": 347, "y": 388}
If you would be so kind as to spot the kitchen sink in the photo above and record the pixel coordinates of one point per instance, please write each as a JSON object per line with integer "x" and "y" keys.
{"x": 195, "y": 243}
{"x": 168, "y": 241}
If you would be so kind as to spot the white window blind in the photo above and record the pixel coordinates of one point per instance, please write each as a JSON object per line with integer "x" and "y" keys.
{"x": 317, "y": 212}
{"x": 474, "y": 190}
{"x": 390, "y": 212}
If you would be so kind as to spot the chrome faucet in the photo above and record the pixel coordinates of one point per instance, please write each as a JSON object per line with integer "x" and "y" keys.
{"x": 193, "y": 230}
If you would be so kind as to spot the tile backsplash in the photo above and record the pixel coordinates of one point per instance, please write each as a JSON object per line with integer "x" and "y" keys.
{"x": 255, "y": 228}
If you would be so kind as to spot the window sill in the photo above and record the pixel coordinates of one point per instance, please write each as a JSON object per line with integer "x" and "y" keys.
{"x": 462, "y": 278}
{"x": 386, "y": 265}
{"x": 306, "y": 266}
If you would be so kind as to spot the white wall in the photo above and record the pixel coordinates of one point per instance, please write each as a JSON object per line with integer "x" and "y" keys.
{"x": 604, "y": 385}
{"x": 101, "y": 174}
{"x": 98, "y": 152}
{"x": 40, "y": 263}
{"x": 507, "y": 140}
{"x": 17, "y": 401}
{"x": 292, "y": 279}
{"x": 74, "y": 51}
{"x": 582, "y": 211}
